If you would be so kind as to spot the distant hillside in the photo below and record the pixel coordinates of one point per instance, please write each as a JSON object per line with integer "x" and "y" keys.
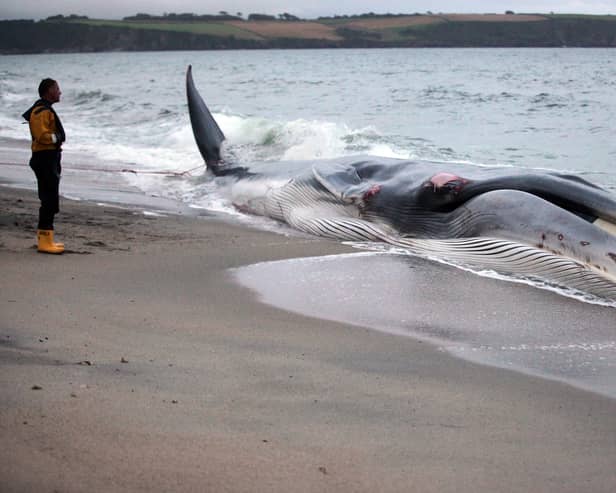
{"x": 188, "y": 32}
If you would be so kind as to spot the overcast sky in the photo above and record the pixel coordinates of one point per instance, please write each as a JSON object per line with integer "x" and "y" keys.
{"x": 116, "y": 9}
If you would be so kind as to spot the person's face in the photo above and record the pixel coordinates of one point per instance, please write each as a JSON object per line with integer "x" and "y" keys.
{"x": 53, "y": 93}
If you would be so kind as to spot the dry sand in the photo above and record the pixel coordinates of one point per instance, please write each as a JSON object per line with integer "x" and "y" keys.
{"x": 134, "y": 363}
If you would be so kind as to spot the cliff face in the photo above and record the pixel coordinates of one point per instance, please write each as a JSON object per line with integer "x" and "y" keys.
{"x": 554, "y": 32}
{"x": 54, "y": 37}
{"x": 58, "y": 37}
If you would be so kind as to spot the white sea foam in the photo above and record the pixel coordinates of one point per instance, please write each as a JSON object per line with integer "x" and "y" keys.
{"x": 245, "y": 130}
{"x": 153, "y": 214}
{"x": 12, "y": 129}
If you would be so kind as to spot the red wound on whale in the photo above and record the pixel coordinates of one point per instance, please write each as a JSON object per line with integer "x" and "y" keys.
{"x": 373, "y": 190}
{"x": 455, "y": 182}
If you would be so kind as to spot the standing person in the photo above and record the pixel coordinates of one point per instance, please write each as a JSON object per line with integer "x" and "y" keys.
{"x": 47, "y": 137}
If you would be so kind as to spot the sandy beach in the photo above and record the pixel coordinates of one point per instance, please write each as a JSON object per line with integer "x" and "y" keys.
{"x": 134, "y": 362}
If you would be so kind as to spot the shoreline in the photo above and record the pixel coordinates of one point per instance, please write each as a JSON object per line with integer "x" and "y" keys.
{"x": 557, "y": 338}
{"x": 137, "y": 362}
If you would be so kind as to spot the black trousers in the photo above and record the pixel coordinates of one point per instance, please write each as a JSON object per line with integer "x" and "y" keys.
{"x": 47, "y": 168}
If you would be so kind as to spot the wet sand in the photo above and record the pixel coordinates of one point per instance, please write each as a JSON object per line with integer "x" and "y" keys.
{"x": 498, "y": 323}
{"x": 134, "y": 362}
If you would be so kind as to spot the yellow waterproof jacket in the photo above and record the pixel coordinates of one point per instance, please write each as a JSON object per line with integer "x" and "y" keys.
{"x": 45, "y": 127}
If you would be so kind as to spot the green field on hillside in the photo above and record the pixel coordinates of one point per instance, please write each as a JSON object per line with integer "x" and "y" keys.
{"x": 207, "y": 28}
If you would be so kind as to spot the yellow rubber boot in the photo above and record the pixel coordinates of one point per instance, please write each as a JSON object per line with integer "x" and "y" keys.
{"x": 55, "y": 243}
{"x": 46, "y": 243}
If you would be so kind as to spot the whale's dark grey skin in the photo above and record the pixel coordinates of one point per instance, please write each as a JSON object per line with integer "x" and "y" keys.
{"x": 556, "y": 227}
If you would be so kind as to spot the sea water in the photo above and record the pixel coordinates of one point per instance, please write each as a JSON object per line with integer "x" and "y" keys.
{"x": 546, "y": 109}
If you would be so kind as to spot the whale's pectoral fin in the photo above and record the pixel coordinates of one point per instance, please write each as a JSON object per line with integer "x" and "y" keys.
{"x": 207, "y": 133}
{"x": 343, "y": 182}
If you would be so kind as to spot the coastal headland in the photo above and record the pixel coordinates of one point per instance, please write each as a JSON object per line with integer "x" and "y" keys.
{"x": 193, "y": 32}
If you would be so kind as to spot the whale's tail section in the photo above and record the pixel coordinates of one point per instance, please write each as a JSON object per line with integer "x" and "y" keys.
{"x": 207, "y": 133}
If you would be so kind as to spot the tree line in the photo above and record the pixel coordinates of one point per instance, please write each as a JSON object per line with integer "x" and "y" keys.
{"x": 221, "y": 16}
{"x": 187, "y": 17}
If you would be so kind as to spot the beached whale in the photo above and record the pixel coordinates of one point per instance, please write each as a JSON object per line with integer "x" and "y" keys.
{"x": 555, "y": 227}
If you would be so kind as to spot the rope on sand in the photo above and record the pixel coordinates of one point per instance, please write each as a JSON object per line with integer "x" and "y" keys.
{"x": 124, "y": 170}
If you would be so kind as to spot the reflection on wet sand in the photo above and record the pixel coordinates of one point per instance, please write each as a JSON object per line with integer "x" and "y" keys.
{"x": 485, "y": 320}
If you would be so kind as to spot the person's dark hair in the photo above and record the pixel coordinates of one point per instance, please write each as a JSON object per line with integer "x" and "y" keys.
{"x": 45, "y": 85}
